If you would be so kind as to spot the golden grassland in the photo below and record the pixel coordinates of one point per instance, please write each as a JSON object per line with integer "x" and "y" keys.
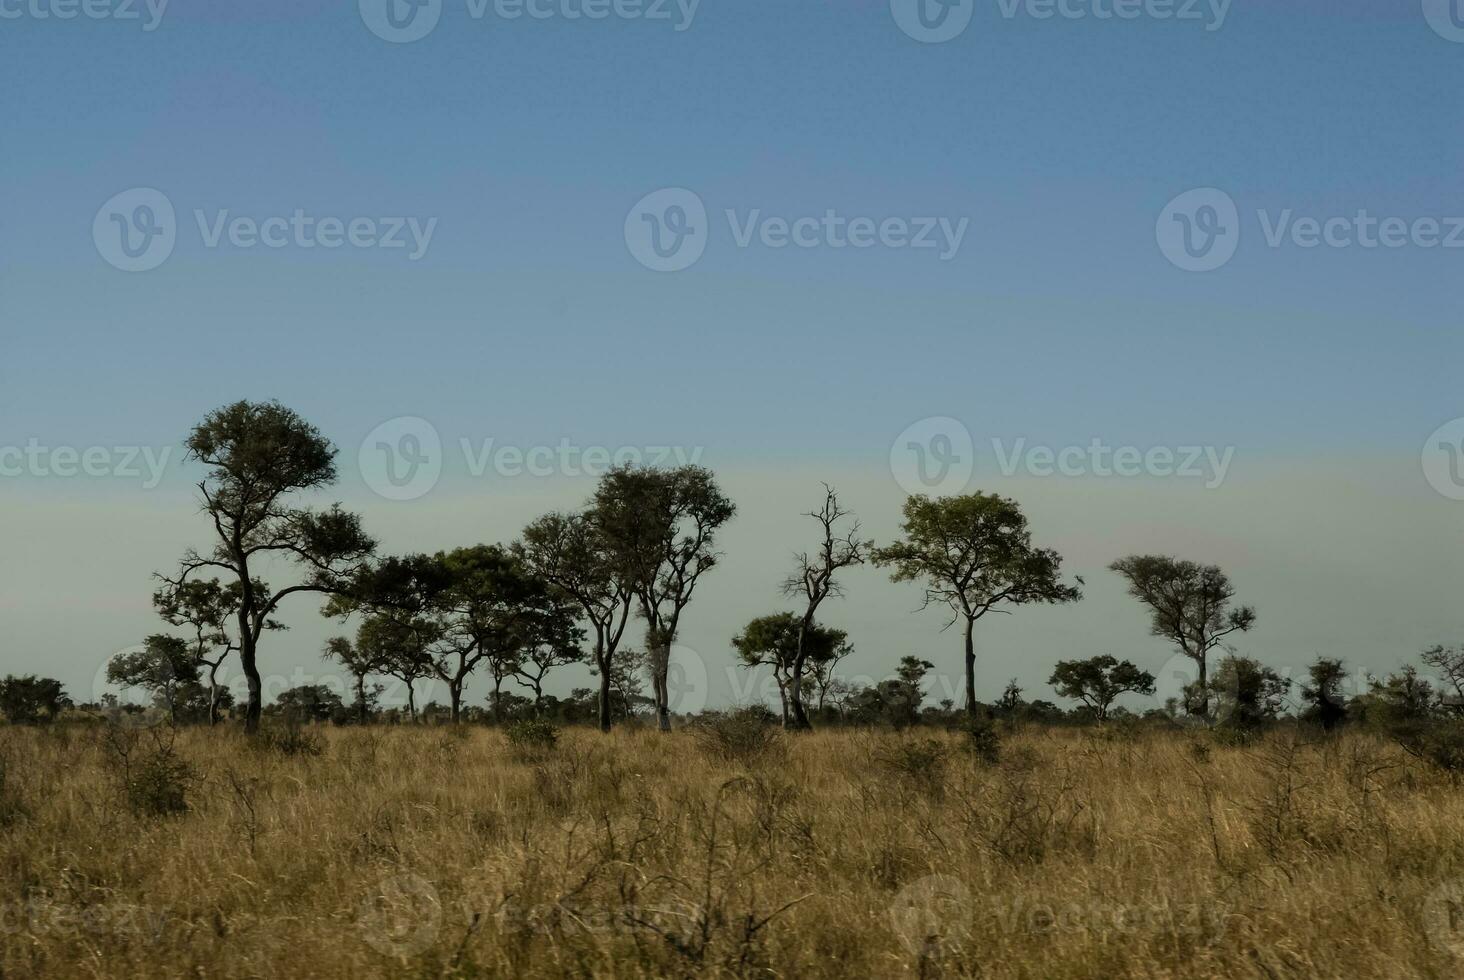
{"x": 447, "y": 852}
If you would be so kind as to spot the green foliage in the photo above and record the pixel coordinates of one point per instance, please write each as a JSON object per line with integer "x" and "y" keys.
{"x": 1249, "y": 693}
{"x": 290, "y": 739}
{"x": 982, "y": 740}
{"x": 164, "y": 667}
{"x": 1098, "y": 681}
{"x": 28, "y": 699}
{"x": 973, "y": 553}
{"x": 1326, "y": 705}
{"x": 532, "y": 735}
{"x": 746, "y": 736}
{"x": 155, "y": 780}
{"x": 310, "y": 702}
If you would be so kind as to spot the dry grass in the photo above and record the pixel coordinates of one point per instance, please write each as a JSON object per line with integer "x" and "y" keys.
{"x": 428, "y": 852}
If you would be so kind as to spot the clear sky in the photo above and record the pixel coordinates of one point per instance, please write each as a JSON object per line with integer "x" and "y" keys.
{"x": 528, "y": 316}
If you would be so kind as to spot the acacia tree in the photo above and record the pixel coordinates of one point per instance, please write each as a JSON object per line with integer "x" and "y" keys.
{"x": 1189, "y": 604}
{"x": 659, "y": 527}
{"x": 164, "y": 666}
{"x": 207, "y": 607}
{"x": 1098, "y": 681}
{"x": 260, "y": 454}
{"x": 813, "y": 581}
{"x": 361, "y": 660}
{"x": 550, "y": 640}
{"x": 571, "y": 553}
{"x": 974, "y": 555}
{"x": 774, "y": 641}
{"x": 401, "y": 648}
{"x": 466, "y": 606}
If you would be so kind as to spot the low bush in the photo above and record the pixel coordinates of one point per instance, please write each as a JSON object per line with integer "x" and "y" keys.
{"x": 745, "y": 736}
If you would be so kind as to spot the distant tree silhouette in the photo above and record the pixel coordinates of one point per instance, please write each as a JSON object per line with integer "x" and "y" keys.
{"x": 28, "y": 699}
{"x": 573, "y": 555}
{"x": 813, "y": 580}
{"x": 1098, "y": 681}
{"x": 659, "y": 527}
{"x": 259, "y": 454}
{"x": 974, "y": 554}
{"x": 1189, "y": 604}
{"x": 164, "y": 667}
{"x": 774, "y": 641}
{"x": 1248, "y": 692}
{"x": 1328, "y": 706}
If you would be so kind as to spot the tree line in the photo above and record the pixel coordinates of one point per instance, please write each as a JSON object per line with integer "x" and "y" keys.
{"x": 568, "y": 589}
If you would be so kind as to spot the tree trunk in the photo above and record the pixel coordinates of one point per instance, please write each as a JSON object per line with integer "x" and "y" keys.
{"x": 411, "y": 701}
{"x": 970, "y": 671}
{"x": 660, "y": 668}
{"x": 213, "y": 695}
{"x": 361, "y": 695}
{"x": 1204, "y": 687}
{"x": 255, "y": 706}
{"x": 602, "y": 659}
{"x": 455, "y": 695}
{"x": 795, "y": 686}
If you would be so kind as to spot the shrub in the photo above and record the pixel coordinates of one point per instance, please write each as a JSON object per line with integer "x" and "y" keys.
{"x": 1440, "y": 744}
{"x": 290, "y": 739}
{"x": 918, "y": 760}
{"x": 155, "y": 780}
{"x": 982, "y": 740}
{"x": 532, "y": 736}
{"x": 745, "y": 736}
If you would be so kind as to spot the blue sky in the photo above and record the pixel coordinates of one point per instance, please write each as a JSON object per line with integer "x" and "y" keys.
{"x": 1058, "y": 320}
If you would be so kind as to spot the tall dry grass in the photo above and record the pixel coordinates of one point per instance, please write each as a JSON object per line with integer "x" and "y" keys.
{"x": 439, "y": 852}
